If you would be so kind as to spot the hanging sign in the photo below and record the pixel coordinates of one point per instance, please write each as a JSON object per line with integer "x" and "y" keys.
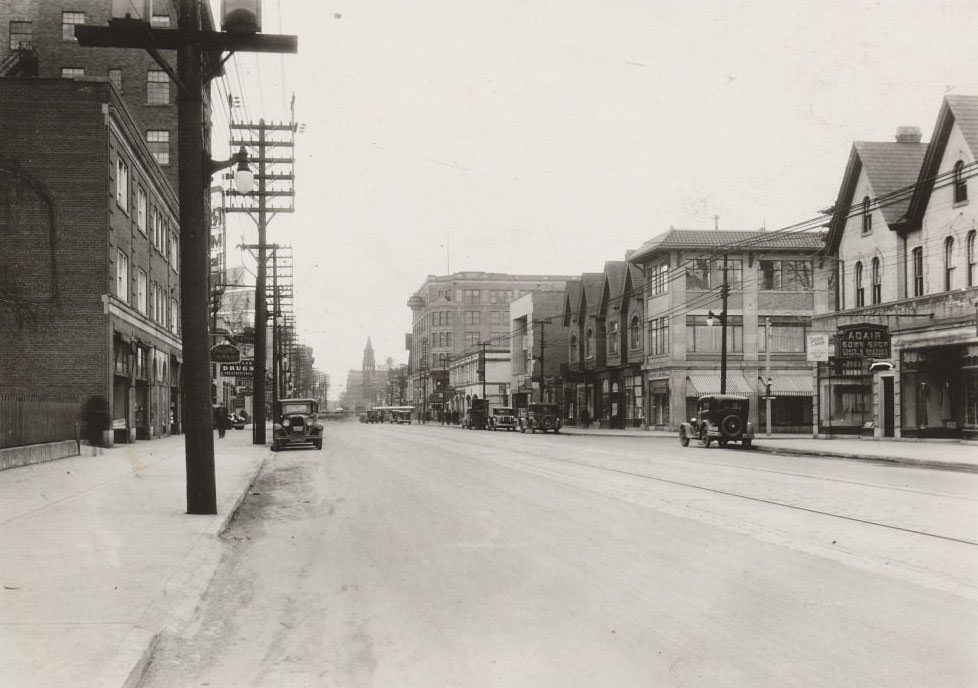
{"x": 225, "y": 353}
{"x": 863, "y": 341}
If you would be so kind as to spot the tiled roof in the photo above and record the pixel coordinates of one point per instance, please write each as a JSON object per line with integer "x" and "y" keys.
{"x": 615, "y": 271}
{"x": 965, "y": 110}
{"x": 592, "y": 282}
{"x": 890, "y": 166}
{"x": 732, "y": 240}
{"x": 573, "y": 291}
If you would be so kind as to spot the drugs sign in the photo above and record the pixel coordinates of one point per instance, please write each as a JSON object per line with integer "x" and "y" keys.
{"x": 245, "y": 368}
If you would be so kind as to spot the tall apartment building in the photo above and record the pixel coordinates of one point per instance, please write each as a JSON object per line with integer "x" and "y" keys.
{"x": 455, "y": 315}
{"x": 89, "y": 258}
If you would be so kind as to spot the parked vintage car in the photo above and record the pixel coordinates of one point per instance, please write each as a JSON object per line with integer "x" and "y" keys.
{"x": 720, "y": 417}
{"x": 542, "y": 417}
{"x": 400, "y": 416}
{"x": 477, "y": 415}
{"x": 502, "y": 418}
{"x": 297, "y": 424}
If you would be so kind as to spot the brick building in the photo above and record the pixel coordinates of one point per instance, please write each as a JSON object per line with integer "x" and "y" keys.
{"x": 89, "y": 281}
{"x": 47, "y": 28}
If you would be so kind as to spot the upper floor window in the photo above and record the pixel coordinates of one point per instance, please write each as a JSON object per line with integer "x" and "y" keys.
{"x": 589, "y": 344}
{"x": 634, "y": 333}
{"x": 613, "y": 337}
{"x": 141, "y": 209}
{"x": 498, "y": 317}
{"x": 68, "y": 22}
{"x": 441, "y": 318}
{"x": 471, "y": 339}
{"x": 786, "y": 275}
{"x": 785, "y": 337}
{"x": 122, "y": 184}
{"x": 115, "y": 76}
{"x": 659, "y": 336}
{"x": 867, "y": 215}
{"x": 658, "y": 279}
{"x": 21, "y": 34}
{"x": 918, "y": 271}
{"x": 702, "y": 337}
{"x": 161, "y": 21}
{"x": 157, "y": 87}
{"x": 159, "y": 145}
{"x": 972, "y": 259}
{"x": 122, "y": 276}
{"x": 174, "y": 253}
{"x": 141, "y": 291}
{"x": 949, "y": 264}
{"x": 473, "y": 317}
{"x": 960, "y": 183}
{"x": 573, "y": 353}
{"x": 860, "y": 290}
{"x": 471, "y": 296}
{"x": 877, "y": 282}
{"x": 72, "y": 72}
{"x": 174, "y": 315}
{"x": 708, "y": 273}
{"x": 500, "y": 295}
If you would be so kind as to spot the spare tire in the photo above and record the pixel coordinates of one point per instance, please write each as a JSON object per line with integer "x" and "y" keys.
{"x": 548, "y": 422}
{"x": 731, "y": 425}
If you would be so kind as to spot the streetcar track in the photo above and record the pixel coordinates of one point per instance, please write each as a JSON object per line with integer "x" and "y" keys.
{"x": 762, "y": 500}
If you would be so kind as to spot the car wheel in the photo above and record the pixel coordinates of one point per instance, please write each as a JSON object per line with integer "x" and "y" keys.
{"x": 683, "y": 438}
{"x": 318, "y": 444}
{"x": 705, "y": 436}
{"x": 274, "y": 447}
{"x": 731, "y": 425}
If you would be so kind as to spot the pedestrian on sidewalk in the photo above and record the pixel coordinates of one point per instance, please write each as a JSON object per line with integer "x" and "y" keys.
{"x": 221, "y": 420}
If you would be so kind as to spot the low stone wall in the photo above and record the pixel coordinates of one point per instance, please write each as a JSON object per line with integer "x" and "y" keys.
{"x": 12, "y": 457}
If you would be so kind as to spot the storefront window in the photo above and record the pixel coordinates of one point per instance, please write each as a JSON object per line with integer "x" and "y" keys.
{"x": 659, "y": 402}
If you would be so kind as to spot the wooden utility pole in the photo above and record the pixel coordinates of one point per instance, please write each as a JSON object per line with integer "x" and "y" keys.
{"x": 196, "y": 167}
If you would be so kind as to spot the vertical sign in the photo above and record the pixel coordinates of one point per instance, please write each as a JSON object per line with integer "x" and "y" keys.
{"x": 218, "y": 233}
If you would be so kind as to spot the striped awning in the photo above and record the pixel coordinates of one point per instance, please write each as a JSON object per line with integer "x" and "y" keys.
{"x": 791, "y": 385}
{"x": 698, "y": 385}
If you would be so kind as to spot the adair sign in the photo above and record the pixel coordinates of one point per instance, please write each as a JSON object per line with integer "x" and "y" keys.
{"x": 863, "y": 341}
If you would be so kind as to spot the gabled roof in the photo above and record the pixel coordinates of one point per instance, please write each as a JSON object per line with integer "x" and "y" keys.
{"x": 956, "y": 109}
{"x": 591, "y": 284}
{"x": 572, "y": 300}
{"x": 890, "y": 166}
{"x": 730, "y": 240}
{"x": 614, "y": 283}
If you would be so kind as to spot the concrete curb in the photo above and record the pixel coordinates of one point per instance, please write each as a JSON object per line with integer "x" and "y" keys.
{"x": 892, "y": 460}
{"x": 229, "y": 516}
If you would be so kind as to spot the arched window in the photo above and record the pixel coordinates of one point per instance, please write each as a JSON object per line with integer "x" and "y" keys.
{"x": 867, "y": 216}
{"x": 589, "y": 344}
{"x": 877, "y": 282}
{"x": 860, "y": 291}
{"x": 960, "y": 183}
{"x": 573, "y": 348}
{"x": 635, "y": 332}
{"x": 972, "y": 259}
{"x": 949, "y": 264}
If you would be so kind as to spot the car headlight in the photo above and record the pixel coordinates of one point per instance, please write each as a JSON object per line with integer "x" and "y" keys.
{"x": 285, "y": 423}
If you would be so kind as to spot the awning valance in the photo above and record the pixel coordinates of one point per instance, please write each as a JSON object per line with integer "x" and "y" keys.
{"x": 698, "y": 385}
{"x": 791, "y": 385}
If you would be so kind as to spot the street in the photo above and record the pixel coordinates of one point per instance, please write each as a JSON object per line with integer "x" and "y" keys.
{"x": 407, "y": 555}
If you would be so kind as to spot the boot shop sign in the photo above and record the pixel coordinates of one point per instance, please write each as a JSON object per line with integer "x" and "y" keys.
{"x": 863, "y": 341}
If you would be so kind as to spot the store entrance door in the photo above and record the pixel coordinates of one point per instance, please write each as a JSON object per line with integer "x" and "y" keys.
{"x": 888, "y": 420}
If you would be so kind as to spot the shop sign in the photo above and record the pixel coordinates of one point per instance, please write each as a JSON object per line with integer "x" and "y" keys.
{"x": 225, "y": 353}
{"x": 863, "y": 341}
{"x": 817, "y": 348}
{"x": 244, "y": 367}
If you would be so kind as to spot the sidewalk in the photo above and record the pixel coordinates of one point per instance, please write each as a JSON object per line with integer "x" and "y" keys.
{"x": 936, "y": 454}
{"x": 99, "y": 556}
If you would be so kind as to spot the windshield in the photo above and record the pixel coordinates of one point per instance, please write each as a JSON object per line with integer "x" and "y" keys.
{"x": 304, "y": 407}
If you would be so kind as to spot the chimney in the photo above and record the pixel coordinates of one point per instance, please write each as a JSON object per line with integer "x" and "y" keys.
{"x": 908, "y": 134}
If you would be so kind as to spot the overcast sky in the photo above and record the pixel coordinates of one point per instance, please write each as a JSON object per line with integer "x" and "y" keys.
{"x": 548, "y": 136}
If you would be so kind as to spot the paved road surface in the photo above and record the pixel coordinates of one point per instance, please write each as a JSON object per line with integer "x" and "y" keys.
{"x": 415, "y": 556}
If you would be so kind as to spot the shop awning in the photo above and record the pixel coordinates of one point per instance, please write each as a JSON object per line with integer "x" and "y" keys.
{"x": 698, "y": 385}
{"x": 790, "y": 385}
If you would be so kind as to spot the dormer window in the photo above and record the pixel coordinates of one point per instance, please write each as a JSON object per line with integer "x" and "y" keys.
{"x": 867, "y": 216}
{"x": 960, "y": 183}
